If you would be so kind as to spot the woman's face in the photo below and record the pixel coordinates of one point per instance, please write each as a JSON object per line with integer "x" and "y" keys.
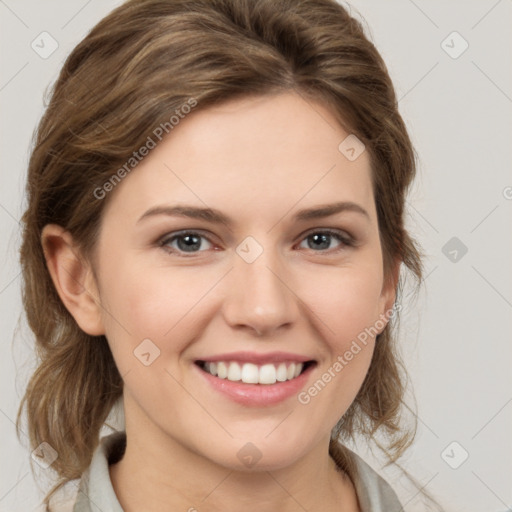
{"x": 269, "y": 290}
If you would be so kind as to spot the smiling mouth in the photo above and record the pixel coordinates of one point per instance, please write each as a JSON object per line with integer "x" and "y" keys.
{"x": 250, "y": 373}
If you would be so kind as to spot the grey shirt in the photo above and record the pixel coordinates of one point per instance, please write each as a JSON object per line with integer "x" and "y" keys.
{"x": 96, "y": 494}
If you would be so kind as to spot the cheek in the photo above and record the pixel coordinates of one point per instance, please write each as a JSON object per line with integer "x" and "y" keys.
{"x": 347, "y": 308}
{"x": 342, "y": 303}
{"x": 154, "y": 304}
{"x": 345, "y": 302}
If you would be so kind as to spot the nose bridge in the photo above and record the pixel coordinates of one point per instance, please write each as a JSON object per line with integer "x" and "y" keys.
{"x": 258, "y": 296}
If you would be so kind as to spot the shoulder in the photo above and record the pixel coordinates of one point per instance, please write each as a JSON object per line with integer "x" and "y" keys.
{"x": 94, "y": 489}
{"x": 63, "y": 500}
{"x": 373, "y": 491}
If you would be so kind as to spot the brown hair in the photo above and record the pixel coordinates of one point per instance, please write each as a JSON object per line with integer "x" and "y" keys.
{"x": 131, "y": 72}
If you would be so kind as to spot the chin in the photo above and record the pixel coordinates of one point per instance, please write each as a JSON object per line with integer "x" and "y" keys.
{"x": 258, "y": 454}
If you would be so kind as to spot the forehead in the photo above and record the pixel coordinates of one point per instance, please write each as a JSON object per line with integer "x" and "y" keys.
{"x": 263, "y": 154}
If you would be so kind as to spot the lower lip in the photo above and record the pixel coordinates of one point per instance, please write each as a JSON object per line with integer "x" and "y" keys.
{"x": 257, "y": 395}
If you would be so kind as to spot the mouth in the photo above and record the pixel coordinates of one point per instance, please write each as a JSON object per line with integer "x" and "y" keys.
{"x": 252, "y": 373}
{"x": 254, "y": 379}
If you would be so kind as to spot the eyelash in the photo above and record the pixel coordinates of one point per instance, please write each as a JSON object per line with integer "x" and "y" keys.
{"x": 344, "y": 238}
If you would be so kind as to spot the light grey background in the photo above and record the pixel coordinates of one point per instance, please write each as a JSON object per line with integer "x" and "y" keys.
{"x": 456, "y": 337}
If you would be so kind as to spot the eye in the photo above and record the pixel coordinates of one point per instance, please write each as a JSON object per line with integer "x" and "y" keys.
{"x": 191, "y": 242}
{"x": 322, "y": 239}
{"x": 185, "y": 241}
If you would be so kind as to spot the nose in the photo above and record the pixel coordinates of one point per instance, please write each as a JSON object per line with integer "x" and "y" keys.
{"x": 260, "y": 297}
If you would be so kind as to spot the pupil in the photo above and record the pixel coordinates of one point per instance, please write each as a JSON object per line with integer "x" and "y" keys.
{"x": 189, "y": 242}
{"x": 323, "y": 240}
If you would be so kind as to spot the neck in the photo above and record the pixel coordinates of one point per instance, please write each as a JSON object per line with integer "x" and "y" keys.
{"x": 159, "y": 473}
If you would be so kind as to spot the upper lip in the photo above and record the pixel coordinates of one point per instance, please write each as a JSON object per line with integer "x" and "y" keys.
{"x": 257, "y": 358}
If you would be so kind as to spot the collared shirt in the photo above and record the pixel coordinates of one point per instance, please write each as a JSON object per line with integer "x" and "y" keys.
{"x": 96, "y": 493}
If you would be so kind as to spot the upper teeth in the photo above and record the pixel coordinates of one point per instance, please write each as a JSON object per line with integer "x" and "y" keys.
{"x": 250, "y": 373}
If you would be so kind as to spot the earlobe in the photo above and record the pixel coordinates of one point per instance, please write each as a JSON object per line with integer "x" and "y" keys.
{"x": 73, "y": 279}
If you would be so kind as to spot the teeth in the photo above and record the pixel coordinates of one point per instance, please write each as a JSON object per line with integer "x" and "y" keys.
{"x": 234, "y": 372}
{"x": 281, "y": 374}
{"x": 250, "y": 373}
{"x": 268, "y": 374}
{"x": 222, "y": 370}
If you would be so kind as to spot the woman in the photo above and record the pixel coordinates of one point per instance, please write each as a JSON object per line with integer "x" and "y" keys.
{"x": 214, "y": 235}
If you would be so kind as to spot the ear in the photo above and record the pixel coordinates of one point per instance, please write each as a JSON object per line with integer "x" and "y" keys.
{"x": 73, "y": 279}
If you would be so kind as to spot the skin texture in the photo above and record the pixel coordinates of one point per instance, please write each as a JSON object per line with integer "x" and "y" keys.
{"x": 259, "y": 161}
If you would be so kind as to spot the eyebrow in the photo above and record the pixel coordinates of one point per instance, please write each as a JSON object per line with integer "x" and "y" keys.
{"x": 217, "y": 217}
